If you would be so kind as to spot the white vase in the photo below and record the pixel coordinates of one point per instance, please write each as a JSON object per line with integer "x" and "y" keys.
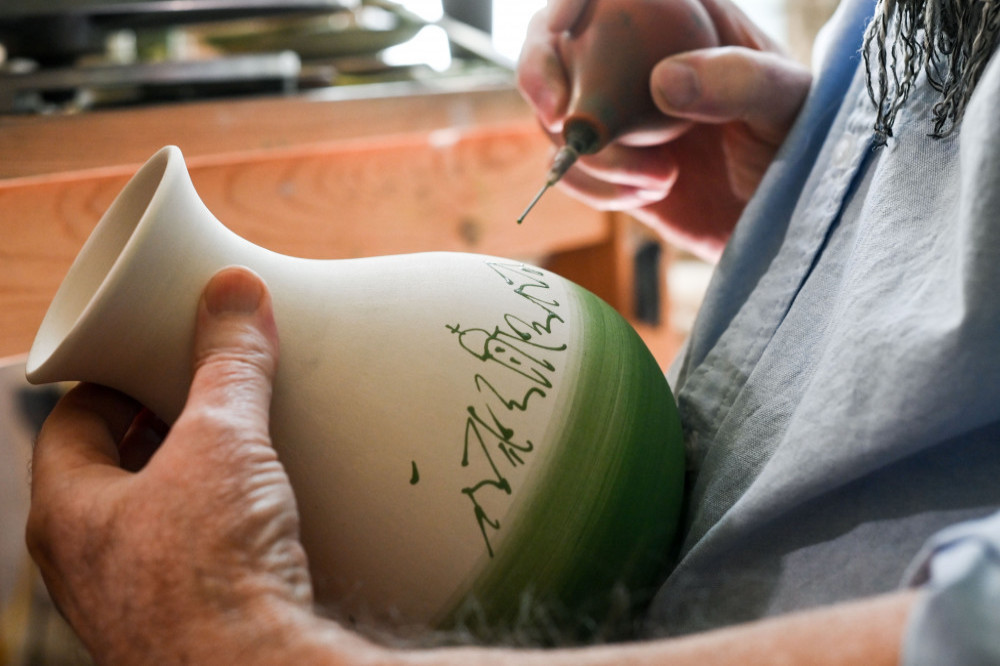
{"x": 471, "y": 440}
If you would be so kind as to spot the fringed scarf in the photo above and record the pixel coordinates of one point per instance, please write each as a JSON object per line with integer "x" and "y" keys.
{"x": 951, "y": 40}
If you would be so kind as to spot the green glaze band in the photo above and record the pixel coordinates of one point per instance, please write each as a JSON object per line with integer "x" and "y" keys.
{"x": 602, "y": 520}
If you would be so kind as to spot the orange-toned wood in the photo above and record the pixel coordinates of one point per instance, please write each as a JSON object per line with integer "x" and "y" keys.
{"x": 410, "y": 194}
{"x": 457, "y": 190}
{"x": 604, "y": 267}
{"x": 607, "y": 269}
{"x": 42, "y": 145}
{"x": 305, "y": 178}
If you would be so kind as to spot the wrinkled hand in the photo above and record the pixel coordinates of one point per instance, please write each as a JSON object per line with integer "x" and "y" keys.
{"x": 743, "y": 95}
{"x": 161, "y": 552}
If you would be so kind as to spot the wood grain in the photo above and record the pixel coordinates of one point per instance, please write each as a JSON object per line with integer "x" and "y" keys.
{"x": 320, "y": 180}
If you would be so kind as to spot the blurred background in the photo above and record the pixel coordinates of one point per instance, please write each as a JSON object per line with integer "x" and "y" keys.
{"x": 325, "y": 128}
{"x": 55, "y": 54}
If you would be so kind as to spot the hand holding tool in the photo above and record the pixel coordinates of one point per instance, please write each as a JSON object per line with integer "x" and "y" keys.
{"x": 608, "y": 55}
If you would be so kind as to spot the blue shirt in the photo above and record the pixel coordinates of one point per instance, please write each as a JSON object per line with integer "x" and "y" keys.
{"x": 841, "y": 389}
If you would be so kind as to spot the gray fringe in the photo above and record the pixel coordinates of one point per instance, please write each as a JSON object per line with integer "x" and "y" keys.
{"x": 951, "y": 40}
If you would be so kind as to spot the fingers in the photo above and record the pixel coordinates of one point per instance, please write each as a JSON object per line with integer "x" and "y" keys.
{"x": 762, "y": 89}
{"x": 141, "y": 441}
{"x": 236, "y": 348}
{"x": 623, "y": 177}
{"x": 695, "y": 217}
{"x": 541, "y": 76}
{"x": 97, "y": 428}
{"x": 76, "y": 453}
{"x": 82, "y": 432}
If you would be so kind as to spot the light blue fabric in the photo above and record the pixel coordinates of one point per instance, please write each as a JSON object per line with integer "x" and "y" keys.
{"x": 841, "y": 389}
{"x": 957, "y": 621}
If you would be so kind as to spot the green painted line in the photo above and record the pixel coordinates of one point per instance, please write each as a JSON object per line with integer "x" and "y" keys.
{"x": 593, "y": 540}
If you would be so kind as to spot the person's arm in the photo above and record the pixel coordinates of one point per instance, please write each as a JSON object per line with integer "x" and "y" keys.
{"x": 862, "y": 633}
{"x": 187, "y": 551}
{"x": 866, "y": 632}
{"x": 743, "y": 96}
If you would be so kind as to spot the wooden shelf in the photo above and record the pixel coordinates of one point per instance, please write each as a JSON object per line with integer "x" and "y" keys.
{"x": 305, "y": 177}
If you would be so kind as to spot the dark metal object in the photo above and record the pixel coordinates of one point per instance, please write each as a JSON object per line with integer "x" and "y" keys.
{"x": 469, "y": 38}
{"x": 475, "y": 13}
{"x": 33, "y": 90}
{"x": 648, "y": 283}
{"x": 59, "y": 31}
{"x": 63, "y": 55}
{"x": 161, "y": 12}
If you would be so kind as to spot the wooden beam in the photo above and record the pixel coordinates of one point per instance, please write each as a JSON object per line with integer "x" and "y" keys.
{"x": 439, "y": 190}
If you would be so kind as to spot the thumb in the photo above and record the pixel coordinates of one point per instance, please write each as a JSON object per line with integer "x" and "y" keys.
{"x": 765, "y": 90}
{"x": 236, "y": 351}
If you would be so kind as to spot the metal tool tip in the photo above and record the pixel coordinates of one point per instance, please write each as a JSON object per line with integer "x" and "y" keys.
{"x": 533, "y": 202}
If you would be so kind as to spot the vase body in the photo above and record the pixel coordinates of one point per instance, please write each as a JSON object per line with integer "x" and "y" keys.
{"x": 464, "y": 434}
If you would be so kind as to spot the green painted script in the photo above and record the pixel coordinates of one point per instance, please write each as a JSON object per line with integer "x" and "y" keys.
{"x": 516, "y": 353}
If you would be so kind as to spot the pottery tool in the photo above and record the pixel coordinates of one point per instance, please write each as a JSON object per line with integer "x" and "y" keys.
{"x": 581, "y": 139}
{"x": 608, "y": 55}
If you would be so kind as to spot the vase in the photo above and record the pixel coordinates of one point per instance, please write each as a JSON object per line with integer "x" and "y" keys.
{"x": 472, "y": 441}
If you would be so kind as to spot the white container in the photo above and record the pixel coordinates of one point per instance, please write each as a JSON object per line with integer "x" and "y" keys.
{"x": 471, "y": 440}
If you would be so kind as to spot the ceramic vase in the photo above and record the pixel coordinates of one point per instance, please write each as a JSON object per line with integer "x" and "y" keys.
{"x": 472, "y": 441}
